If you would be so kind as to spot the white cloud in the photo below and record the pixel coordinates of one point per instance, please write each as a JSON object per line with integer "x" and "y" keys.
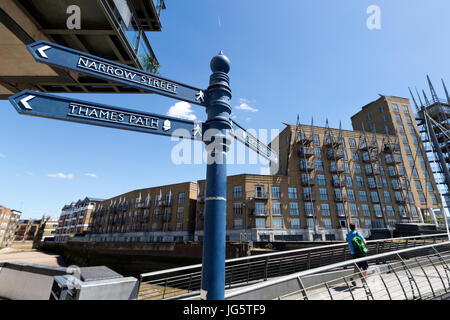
{"x": 92, "y": 175}
{"x": 61, "y": 176}
{"x": 2, "y": 156}
{"x": 244, "y": 105}
{"x": 182, "y": 110}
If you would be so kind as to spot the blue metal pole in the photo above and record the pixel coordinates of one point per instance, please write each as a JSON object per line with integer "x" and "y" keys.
{"x": 218, "y": 110}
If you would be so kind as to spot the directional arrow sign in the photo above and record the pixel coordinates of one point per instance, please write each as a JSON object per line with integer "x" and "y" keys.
{"x": 242, "y": 135}
{"x": 67, "y": 58}
{"x": 54, "y": 107}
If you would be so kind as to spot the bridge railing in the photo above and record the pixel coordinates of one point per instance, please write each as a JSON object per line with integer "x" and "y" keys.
{"x": 173, "y": 283}
{"x": 408, "y": 274}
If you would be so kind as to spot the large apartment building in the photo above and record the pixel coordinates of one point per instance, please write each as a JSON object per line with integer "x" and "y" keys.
{"x": 9, "y": 220}
{"x": 376, "y": 176}
{"x": 158, "y": 214}
{"x": 74, "y": 219}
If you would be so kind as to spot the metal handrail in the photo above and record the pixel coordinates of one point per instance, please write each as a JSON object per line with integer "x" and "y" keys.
{"x": 245, "y": 270}
{"x": 251, "y": 292}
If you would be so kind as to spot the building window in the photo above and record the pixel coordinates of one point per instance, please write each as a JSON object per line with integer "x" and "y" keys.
{"x": 390, "y": 211}
{"x": 260, "y": 209}
{"x": 310, "y": 223}
{"x": 433, "y": 198}
{"x": 275, "y": 192}
{"x": 398, "y": 118}
{"x": 348, "y": 182}
{"x": 237, "y": 224}
{"x": 293, "y": 209}
{"x": 181, "y": 197}
{"x": 381, "y": 109}
{"x": 368, "y": 223}
{"x": 418, "y": 185}
{"x": 323, "y": 194}
{"x": 401, "y": 128}
{"x": 340, "y": 209}
{"x": 276, "y": 208}
{"x": 259, "y": 191}
{"x": 295, "y": 223}
{"x": 325, "y": 209}
{"x": 395, "y": 107}
{"x": 316, "y": 139}
{"x": 278, "y": 223}
{"x": 179, "y": 226}
{"x": 260, "y": 223}
{"x": 353, "y": 209}
{"x": 369, "y": 117}
{"x": 180, "y": 213}
{"x": 309, "y": 209}
{"x": 406, "y": 109}
{"x": 377, "y": 209}
{"x": 321, "y": 180}
{"x": 352, "y": 143}
{"x": 374, "y": 196}
{"x": 402, "y": 211}
{"x": 317, "y": 152}
{"x": 363, "y": 196}
{"x": 422, "y": 198}
{"x": 414, "y": 211}
{"x": 327, "y": 223}
{"x": 430, "y": 186}
{"x": 356, "y": 223}
{"x": 292, "y": 193}
{"x": 407, "y": 149}
{"x": 387, "y": 196}
{"x": 365, "y": 210}
{"x": 319, "y": 165}
{"x": 351, "y": 195}
{"x": 237, "y": 192}
{"x": 237, "y": 209}
{"x": 357, "y": 168}
{"x": 360, "y": 181}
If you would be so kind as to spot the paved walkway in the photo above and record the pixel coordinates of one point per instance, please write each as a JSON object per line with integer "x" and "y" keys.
{"x": 31, "y": 256}
{"x": 385, "y": 286}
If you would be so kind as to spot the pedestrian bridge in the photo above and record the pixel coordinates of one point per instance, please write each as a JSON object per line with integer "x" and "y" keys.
{"x": 400, "y": 268}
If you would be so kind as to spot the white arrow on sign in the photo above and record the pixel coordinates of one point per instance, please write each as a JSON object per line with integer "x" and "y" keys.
{"x": 42, "y": 50}
{"x": 25, "y": 103}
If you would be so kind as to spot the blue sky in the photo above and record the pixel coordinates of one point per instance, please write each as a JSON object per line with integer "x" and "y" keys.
{"x": 313, "y": 58}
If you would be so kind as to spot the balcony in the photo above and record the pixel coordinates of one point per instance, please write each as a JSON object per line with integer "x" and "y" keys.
{"x": 304, "y": 140}
{"x": 374, "y": 172}
{"x": 261, "y": 196}
{"x": 332, "y": 143}
{"x": 165, "y": 203}
{"x": 335, "y": 155}
{"x": 338, "y": 183}
{"x": 305, "y": 152}
{"x": 306, "y": 167}
{"x": 309, "y": 182}
{"x": 308, "y": 197}
{"x": 337, "y": 169}
{"x": 391, "y": 148}
{"x": 400, "y": 201}
{"x": 258, "y": 213}
{"x": 340, "y": 198}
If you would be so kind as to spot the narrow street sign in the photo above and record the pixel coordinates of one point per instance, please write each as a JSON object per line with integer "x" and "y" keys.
{"x": 67, "y": 58}
{"x": 55, "y": 107}
{"x": 243, "y": 136}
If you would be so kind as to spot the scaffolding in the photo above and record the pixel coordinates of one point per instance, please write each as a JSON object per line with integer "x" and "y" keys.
{"x": 434, "y": 125}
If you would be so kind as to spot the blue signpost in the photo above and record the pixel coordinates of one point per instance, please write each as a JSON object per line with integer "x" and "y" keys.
{"x": 55, "y": 107}
{"x": 215, "y": 132}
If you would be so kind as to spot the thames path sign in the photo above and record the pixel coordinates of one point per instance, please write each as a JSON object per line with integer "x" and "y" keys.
{"x": 216, "y": 132}
{"x": 67, "y": 58}
{"x": 55, "y": 107}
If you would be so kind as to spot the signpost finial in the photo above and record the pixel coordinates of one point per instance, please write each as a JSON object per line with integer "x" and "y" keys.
{"x": 220, "y": 63}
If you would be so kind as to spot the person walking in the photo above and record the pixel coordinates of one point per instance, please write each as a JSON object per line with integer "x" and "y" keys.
{"x": 358, "y": 249}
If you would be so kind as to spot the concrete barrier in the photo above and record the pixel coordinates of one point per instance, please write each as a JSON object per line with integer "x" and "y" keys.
{"x": 26, "y": 281}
